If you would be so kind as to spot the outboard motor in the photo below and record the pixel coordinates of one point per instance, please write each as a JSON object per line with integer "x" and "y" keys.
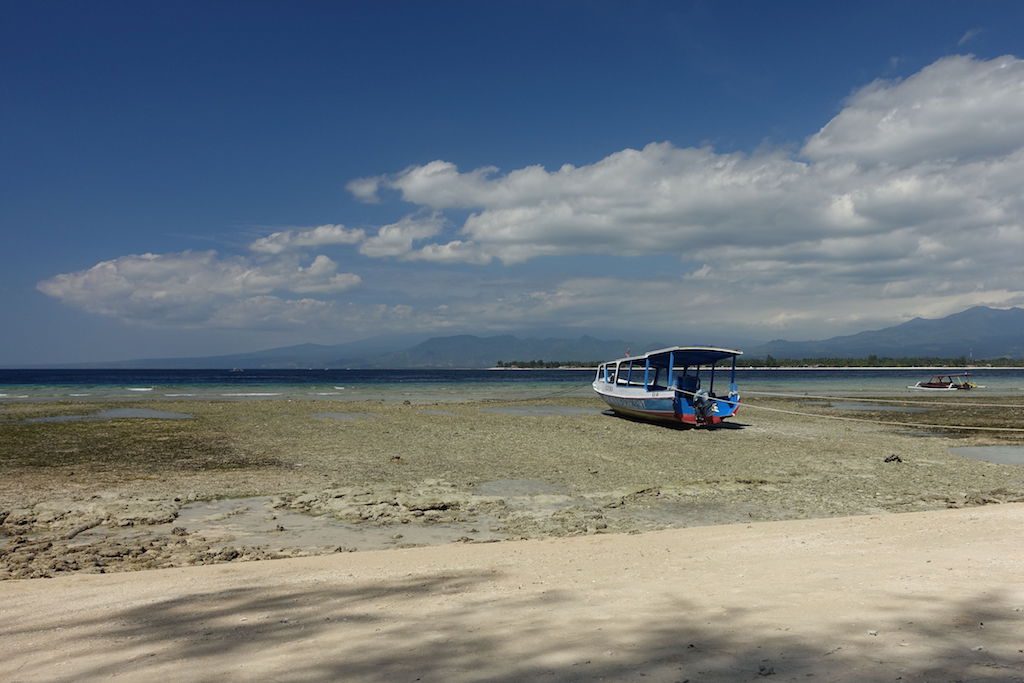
{"x": 701, "y": 405}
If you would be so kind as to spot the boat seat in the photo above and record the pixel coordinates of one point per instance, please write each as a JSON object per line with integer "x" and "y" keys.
{"x": 689, "y": 385}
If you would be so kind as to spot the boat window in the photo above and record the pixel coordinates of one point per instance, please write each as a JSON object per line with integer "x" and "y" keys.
{"x": 625, "y": 374}
{"x": 631, "y": 374}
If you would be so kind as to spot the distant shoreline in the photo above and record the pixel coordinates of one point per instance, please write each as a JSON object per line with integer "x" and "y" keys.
{"x": 812, "y": 367}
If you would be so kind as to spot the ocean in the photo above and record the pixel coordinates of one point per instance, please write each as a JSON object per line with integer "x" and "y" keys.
{"x": 440, "y": 385}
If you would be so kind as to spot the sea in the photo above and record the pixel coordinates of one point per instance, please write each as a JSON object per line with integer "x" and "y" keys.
{"x": 428, "y": 386}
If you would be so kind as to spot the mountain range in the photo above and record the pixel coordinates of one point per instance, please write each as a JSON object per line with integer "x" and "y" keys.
{"x": 979, "y": 333}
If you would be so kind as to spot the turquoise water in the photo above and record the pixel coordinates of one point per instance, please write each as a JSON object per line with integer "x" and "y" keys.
{"x": 419, "y": 386}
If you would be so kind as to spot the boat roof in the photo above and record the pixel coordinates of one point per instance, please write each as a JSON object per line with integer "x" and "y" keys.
{"x": 686, "y": 355}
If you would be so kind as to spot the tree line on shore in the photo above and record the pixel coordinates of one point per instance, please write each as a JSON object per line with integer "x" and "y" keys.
{"x": 769, "y": 361}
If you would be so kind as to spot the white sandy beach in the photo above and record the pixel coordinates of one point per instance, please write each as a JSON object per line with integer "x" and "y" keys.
{"x": 930, "y": 596}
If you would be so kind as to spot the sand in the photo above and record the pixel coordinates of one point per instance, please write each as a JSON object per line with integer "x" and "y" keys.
{"x": 780, "y": 548}
{"x": 932, "y": 596}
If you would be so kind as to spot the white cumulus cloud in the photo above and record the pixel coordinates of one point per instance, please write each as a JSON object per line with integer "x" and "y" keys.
{"x": 906, "y": 202}
{"x": 958, "y": 108}
{"x": 199, "y": 287}
{"x": 397, "y": 238}
{"x": 912, "y": 186}
{"x": 320, "y": 236}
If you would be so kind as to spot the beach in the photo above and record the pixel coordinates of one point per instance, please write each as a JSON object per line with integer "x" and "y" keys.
{"x": 932, "y": 596}
{"x": 506, "y": 540}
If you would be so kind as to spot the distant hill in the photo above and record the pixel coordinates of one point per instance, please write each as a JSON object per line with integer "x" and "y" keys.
{"x": 979, "y": 332}
{"x": 347, "y": 355}
{"x": 469, "y": 351}
{"x": 459, "y": 351}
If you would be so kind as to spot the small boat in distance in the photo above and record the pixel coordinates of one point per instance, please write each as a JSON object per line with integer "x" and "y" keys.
{"x": 665, "y": 385}
{"x": 958, "y": 381}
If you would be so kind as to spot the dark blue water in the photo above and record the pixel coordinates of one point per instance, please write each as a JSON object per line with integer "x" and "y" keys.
{"x": 282, "y": 377}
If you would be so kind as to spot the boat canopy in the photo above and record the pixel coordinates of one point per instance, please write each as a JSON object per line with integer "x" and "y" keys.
{"x": 683, "y": 355}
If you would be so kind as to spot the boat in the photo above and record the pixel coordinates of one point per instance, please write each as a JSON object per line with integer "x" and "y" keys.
{"x": 960, "y": 381}
{"x": 666, "y": 385}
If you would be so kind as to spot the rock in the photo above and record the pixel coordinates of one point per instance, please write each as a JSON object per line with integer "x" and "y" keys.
{"x": 20, "y": 517}
{"x": 305, "y": 500}
{"x": 82, "y": 527}
{"x": 893, "y": 458}
{"x": 179, "y": 531}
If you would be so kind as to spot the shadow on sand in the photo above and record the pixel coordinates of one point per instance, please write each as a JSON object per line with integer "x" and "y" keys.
{"x": 677, "y": 426}
{"x": 439, "y": 629}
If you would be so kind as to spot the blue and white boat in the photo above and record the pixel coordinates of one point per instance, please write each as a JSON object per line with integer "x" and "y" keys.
{"x": 676, "y": 384}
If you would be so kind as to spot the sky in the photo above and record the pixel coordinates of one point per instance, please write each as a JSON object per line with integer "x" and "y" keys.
{"x": 213, "y": 177}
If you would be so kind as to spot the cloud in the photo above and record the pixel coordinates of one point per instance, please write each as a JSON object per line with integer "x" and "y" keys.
{"x": 396, "y": 239}
{"x": 455, "y": 251}
{"x": 197, "y": 288}
{"x": 968, "y": 36}
{"x": 320, "y": 236}
{"x": 365, "y": 189}
{"x": 959, "y": 108}
{"x": 912, "y": 186}
{"x": 906, "y": 202}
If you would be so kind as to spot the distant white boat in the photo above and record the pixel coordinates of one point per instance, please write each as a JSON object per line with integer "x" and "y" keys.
{"x": 960, "y": 381}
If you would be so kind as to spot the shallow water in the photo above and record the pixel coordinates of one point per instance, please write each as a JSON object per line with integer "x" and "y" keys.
{"x": 255, "y": 522}
{"x": 343, "y": 417}
{"x": 539, "y": 411}
{"x": 876, "y": 407}
{"x": 115, "y": 414}
{"x": 433, "y": 386}
{"x": 518, "y": 487}
{"x": 1003, "y": 455}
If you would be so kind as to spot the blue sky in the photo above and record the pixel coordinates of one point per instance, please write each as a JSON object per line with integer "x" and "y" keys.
{"x": 200, "y": 178}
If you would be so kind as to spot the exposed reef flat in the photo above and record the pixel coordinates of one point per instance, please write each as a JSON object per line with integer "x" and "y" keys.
{"x": 116, "y": 494}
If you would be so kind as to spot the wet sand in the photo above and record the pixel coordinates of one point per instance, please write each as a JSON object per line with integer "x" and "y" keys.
{"x": 250, "y": 480}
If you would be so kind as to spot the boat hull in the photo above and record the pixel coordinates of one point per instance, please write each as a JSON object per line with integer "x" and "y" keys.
{"x": 665, "y": 407}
